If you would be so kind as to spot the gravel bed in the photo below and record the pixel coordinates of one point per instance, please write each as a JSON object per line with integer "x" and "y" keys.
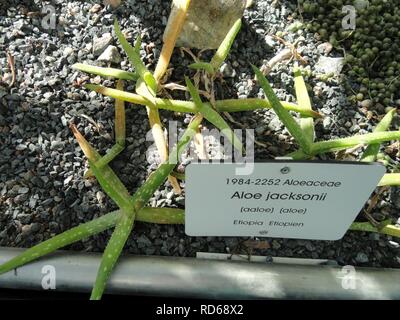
{"x": 42, "y": 190}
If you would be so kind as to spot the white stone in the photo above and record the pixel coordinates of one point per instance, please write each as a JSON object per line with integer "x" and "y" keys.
{"x": 111, "y": 54}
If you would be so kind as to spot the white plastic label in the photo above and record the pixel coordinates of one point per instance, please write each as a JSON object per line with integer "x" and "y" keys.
{"x": 285, "y": 199}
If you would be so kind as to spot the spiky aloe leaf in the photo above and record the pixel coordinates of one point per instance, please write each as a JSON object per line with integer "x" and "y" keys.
{"x": 372, "y": 150}
{"x": 287, "y": 119}
{"x": 345, "y": 143}
{"x": 367, "y": 227}
{"x": 88, "y": 229}
{"x": 225, "y": 47}
{"x": 213, "y": 116}
{"x": 106, "y": 72}
{"x": 303, "y": 99}
{"x": 108, "y": 180}
{"x": 134, "y": 58}
{"x": 140, "y": 198}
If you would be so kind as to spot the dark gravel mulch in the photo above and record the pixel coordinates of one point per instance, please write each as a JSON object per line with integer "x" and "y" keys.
{"x": 42, "y": 190}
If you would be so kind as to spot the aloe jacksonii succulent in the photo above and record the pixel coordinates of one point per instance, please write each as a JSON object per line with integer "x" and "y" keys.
{"x": 133, "y": 208}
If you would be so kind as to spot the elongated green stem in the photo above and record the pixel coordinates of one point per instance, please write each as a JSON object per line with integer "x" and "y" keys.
{"x": 156, "y": 129}
{"x": 85, "y": 230}
{"x": 390, "y": 230}
{"x": 372, "y": 150}
{"x": 390, "y": 179}
{"x": 239, "y": 105}
{"x": 213, "y": 116}
{"x": 225, "y": 46}
{"x": 134, "y": 58}
{"x": 120, "y": 121}
{"x": 202, "y": 66}
{"x": 229, "y": 105}
{"x": 345, "y": 143}
{"x": 287, "y": 119}
{"x": 341, "y": 144}
{"x": 161, "y": 215}
{"x": 106, "y": 72}
{"x": 303, "y": 99}
{"x": 139, "y": 199}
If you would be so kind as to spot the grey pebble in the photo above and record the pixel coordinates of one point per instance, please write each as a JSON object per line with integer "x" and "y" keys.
{"x": 101, "y": 43}
{"x": 362, "y": 258}
{"x": 23, "y": 190}
{"x": 111, "y": 55}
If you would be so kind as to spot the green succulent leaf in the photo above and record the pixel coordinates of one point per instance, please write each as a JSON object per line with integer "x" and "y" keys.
{"x": 134, "y": 58}
{"x": 88, "y": 229}
{"x": 287, "y": 119}
{"x": 140, "y": 198}
{"x": 303, "y": 99}
{"x": 372, "y": 150}
{"x": 225, "y": 47}
{"x": 106, "y": 72}
{"x": 214, "y": 117}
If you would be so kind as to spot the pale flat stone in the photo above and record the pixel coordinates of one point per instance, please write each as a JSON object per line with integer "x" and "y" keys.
{"x": 207, "y": 22}
{"x": 330, "y": 65}
{"x": 111, "y": 54}
{"x": 101, "y": 43}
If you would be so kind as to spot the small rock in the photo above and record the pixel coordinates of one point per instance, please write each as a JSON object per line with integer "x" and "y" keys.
{"x": 329, "y": 65}
{"x": 362, "y": 258}
{"x": 271, "y": 42}
{"x": 35, "y": 227}
{"x": 67, "y": 51}
{"x": 26, "y": 229}
{"x": 325, "y": 48}
{"x": 21, "y": 147}
{"x": 20, "y": 198}
{"x": 394, "y": 244}
{"x": 48, "y": 95}
{"x": 275, "y": 124}
{"x": 67, "y": 180}
{"x": 111, "y": 54}
{"x": 56, "y": 145}
{"x": 23, "y": 190}
{"x": 96, "y": 8}
{"x": 327, "y": 122}
{"x": 227, "y": 71}
{"x": 309, "y": 246}
{"x": 100, "y": 44}
{"x": 100, "y": 196}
